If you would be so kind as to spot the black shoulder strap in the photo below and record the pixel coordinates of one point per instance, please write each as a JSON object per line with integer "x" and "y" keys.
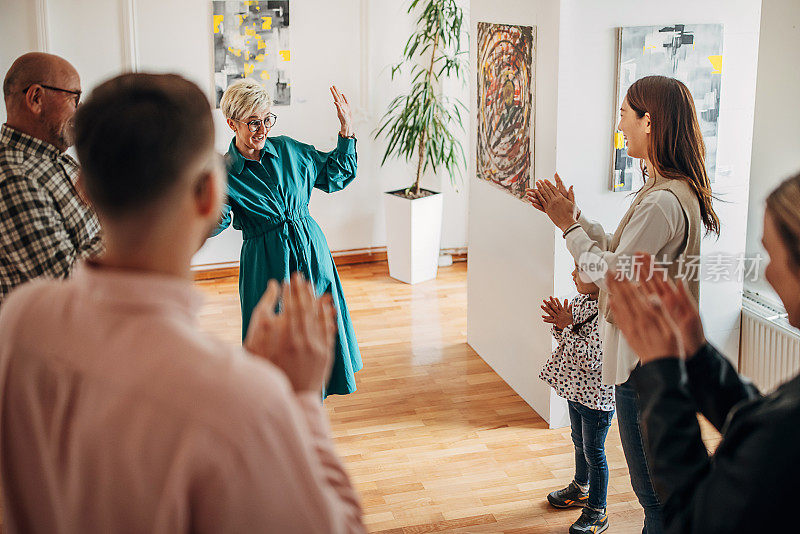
{"x": 577, "y": 326}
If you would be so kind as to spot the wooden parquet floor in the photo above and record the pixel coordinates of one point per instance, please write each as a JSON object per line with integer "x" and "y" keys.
{"x": 433, "y": 439}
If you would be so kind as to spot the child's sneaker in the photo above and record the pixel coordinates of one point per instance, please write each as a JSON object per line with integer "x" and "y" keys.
{"x": 572, "y": 495}
{"x": 590, "y": 521}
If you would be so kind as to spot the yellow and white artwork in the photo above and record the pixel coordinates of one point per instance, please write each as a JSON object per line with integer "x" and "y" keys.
{"x": 251, "y": 40}
{"x": 691, "y": 53}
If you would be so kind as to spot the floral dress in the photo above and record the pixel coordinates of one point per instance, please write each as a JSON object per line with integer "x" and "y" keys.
{"x": 574, "y": 370}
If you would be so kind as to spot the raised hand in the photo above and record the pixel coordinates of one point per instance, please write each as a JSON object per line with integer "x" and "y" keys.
{"x": 677, "y": 303}
{"x": 569, "y": 193}
{"x": 343, "y": 112}
{"x": 300, "y": 340}
{"x": 531, "y": 197}
{"x": 555, "y": 200}
{"x": 641, "y": 318}
{"x": 557, "y": 314}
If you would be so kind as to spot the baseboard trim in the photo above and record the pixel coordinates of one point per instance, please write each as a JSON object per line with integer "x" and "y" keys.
{"x": 359, "y": 255}
{"x": 458, "y": 254}
{"x": 210, "y": 271}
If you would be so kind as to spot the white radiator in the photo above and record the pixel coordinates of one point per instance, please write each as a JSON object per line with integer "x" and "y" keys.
{"x": 769, "y": 349}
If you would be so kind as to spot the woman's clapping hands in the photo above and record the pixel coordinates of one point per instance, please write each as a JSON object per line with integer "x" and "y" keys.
{"x": 555, "y": 200}
{"x": 658, "y": 318}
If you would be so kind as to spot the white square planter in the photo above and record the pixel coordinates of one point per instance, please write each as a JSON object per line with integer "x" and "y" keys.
{"x": 413, "y": 236}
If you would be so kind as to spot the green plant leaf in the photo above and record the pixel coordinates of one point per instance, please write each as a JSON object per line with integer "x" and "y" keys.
{"x": 422, "y": 122}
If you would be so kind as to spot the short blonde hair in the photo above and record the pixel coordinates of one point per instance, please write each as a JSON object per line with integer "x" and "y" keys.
{"x": 244, "y": 98}
{"x": 782, "y": 206}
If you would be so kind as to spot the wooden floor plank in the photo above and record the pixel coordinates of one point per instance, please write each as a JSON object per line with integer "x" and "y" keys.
{"x": 433, "y": 439}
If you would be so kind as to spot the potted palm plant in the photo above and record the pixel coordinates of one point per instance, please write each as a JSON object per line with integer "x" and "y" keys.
{"x": 419, "y": 126}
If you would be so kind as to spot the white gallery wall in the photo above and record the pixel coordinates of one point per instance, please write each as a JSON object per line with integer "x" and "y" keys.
{"x": 350, "y": 43}
{"x": 776, "y": 131}
{"x": 18, "y": 25}
{"x": 586, "y": 115}
{"x": 512, "y": 245}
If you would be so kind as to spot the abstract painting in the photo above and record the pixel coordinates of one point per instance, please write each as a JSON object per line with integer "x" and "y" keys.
{"x": 505, "y": 100}
{"x": 691, "y": 53}
{"x": 251, "y": 40}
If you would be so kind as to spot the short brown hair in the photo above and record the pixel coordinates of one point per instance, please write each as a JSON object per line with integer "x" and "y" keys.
{"x": 136, "y": 135}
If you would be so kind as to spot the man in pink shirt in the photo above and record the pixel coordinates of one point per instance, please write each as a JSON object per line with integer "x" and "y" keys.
{"x": 118, "y": 414}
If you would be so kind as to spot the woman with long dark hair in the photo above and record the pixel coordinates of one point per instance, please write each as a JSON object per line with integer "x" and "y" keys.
{"x": 680, "y": 374}
{"x": 666, "y": 219}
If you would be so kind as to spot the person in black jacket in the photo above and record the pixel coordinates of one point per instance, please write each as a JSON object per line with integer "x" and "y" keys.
{"x": 746, "y": 485}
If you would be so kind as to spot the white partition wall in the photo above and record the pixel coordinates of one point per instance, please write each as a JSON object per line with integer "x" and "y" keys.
{"x": 19, "y": 37}
{"x": 511, "y": 247}
{"x": 515, "y": 257}
{"x": 776, "y": 132}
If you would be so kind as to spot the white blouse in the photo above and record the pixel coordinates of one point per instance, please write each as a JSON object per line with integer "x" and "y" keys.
{"x": 657, "y": 227}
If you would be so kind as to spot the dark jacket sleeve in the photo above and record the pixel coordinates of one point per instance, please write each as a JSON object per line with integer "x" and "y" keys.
{"x": 675, "y": 452}
{"x": 715, "y": 385}
{"x": 729, "y": 491}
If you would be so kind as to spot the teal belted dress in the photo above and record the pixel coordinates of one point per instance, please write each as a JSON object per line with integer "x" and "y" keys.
{"x": 268, "y": 201}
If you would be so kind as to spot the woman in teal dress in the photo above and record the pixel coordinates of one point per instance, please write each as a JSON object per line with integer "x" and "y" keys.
{"x": 269, "y": 186}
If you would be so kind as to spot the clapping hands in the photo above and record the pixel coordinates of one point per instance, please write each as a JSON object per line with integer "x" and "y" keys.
{"x": 557, "y": 314}
{"x": 299, "y": 340}
{"x": 658, "y": 318}
{"x": 555, "y": 200}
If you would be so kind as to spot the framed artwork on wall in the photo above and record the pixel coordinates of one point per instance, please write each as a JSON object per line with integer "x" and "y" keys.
{"x": 506, "y": 70}
{"x": 691, "y": 53}
{"x": 251, "y": 40}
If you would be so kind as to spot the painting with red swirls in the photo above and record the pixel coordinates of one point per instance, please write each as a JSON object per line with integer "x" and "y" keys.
{"x": 505, "y": 101}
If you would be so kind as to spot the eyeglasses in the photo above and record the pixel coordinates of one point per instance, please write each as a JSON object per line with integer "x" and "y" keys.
{"x": 255, "y": 124}
{"x": 76, "y": 94}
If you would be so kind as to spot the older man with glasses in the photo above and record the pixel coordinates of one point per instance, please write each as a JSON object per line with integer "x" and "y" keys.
{"x": 45, "y": 226}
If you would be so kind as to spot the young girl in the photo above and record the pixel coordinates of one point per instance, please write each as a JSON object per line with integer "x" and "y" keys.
{"x": 574, "y": 371}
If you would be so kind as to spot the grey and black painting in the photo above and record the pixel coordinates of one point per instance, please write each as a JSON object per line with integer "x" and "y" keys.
{"x": 691, "y": 53}
{"x": 251, "y": 40}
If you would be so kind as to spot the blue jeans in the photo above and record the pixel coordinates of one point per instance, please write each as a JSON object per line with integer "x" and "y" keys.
{"x": 632, "y": 444}
{"x": 589, "y": 431}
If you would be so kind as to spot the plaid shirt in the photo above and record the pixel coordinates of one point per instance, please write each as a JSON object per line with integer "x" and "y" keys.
{"x": 44, "y": 225}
